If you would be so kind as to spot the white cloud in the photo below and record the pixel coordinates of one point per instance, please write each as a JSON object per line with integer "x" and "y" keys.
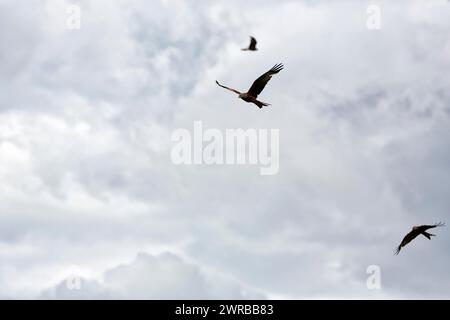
{"x": 166, "y": 276}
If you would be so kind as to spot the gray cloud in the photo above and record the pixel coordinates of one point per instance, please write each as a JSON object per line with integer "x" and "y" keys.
{"x": 85, "y": 124}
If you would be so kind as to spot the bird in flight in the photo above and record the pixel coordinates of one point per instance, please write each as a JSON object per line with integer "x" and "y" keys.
{"x": 417, "y": 230}
{"x": 257, "y": 87}
{"x": 252, "y": 45}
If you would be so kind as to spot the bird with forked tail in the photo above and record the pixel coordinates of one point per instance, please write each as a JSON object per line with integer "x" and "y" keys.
{"x": 257, "y": 87}
{"x": 418, "y": 230}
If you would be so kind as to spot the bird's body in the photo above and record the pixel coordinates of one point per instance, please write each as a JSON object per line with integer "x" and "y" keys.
{"x": 248, "y": 98}
{"x": 257, "y": 87}
{"x": 416, "y": 231}
{"x": 252, "y": 45}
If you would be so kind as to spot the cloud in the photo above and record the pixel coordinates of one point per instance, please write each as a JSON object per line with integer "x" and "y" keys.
{"x": 166, "y": 276}
{"x": 86, "y": 178}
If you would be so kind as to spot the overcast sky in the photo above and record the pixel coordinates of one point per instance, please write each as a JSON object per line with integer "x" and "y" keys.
{"x": 88, "y": 188}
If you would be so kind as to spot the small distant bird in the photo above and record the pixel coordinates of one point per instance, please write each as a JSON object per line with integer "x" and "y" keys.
{"x": 417, "y": 230}
{"x": 252, "y": 46}
{"x": 256, "y": 87}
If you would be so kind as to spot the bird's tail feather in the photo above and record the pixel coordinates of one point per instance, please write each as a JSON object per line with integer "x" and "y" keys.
{"x": 261, "y": 104}
{"x": 428, "y": 235}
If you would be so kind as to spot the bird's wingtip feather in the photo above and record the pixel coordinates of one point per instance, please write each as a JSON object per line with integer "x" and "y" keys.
{"x": 278, "y": 67}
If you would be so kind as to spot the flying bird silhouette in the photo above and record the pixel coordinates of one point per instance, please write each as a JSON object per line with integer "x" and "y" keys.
{"x": 417, "y": 230}
{"x": 257, "y": 87}
{"x": 252, "y": 45}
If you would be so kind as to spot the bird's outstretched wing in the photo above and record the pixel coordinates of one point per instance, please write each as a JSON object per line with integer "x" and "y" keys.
{"x": 426, "y": 227}
{"x": 260, "y": 83}
{"x": 253, "y": 43}
{"x": 407, "y": 239}
{"x": 231, "y": 89}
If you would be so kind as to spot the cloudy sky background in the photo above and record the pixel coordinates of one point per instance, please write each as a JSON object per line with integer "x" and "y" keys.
{"x": 87, "y": 186}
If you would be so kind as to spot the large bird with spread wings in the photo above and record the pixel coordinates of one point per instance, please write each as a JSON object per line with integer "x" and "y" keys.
{"x": 417, "y": 230}
{"x": 257, "y": 87}
{"x": 252, "y": 45}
